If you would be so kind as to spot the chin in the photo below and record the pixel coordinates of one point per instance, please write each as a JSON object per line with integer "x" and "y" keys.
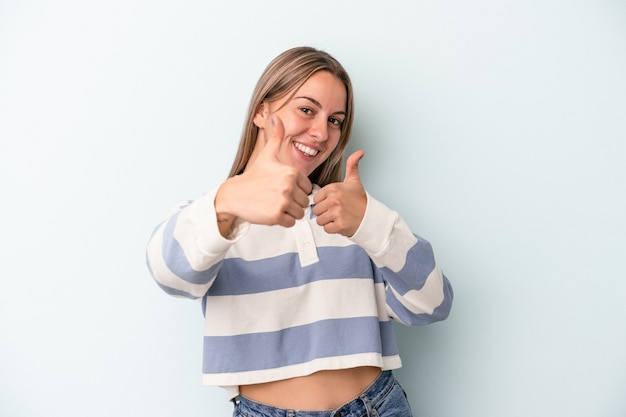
{"x": 310, "y": 170}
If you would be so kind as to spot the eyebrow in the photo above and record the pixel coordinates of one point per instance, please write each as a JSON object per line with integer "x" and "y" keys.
{"x": 318, "y": 104}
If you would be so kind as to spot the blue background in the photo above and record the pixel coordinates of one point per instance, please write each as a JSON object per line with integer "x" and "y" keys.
{"x": 496, "y": 128}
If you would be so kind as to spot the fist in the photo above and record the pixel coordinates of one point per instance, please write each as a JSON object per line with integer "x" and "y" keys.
{"x": 340, "y": 206}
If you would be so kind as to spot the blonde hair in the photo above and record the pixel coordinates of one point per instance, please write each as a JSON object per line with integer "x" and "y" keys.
{"x": 284, "y": 75}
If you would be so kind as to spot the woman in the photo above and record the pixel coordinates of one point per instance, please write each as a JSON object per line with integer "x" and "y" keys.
{"x": 300, "y": 270}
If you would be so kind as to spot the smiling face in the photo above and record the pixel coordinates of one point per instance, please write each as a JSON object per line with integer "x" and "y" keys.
{"x": 312, "y": 118}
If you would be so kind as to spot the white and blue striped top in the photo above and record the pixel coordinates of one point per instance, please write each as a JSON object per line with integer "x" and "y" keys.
{"x": 286, "y": 302}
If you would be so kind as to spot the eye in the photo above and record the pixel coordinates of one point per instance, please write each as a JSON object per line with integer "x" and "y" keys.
{"x": 306, "y": 110}
{"x": 335, "y": 122}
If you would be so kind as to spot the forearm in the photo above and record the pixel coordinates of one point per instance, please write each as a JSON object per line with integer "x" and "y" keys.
{"x": 417, "y": 290}
{"x": 185, "y": 252}
{"x": 224, "y": 213}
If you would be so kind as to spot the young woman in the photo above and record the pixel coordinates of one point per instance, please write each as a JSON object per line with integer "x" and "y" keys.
{"x": 299, "y": 269}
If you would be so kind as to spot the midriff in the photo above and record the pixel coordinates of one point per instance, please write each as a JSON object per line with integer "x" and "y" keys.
{"x": 323, "y": 390}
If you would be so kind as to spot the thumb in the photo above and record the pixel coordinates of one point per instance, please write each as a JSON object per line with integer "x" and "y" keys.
{"x": 352, "y": 167}
{"x": 274, "y": 135}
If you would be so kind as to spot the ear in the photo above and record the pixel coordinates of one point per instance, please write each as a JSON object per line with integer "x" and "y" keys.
{"x": 260, "y": 115}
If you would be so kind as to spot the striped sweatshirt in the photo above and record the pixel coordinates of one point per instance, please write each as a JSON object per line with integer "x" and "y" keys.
{"x": 286, "y": 302}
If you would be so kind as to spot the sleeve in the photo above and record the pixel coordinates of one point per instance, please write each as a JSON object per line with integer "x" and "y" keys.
{"x": 417, "y": 292}
{"x": 186, "y": 250}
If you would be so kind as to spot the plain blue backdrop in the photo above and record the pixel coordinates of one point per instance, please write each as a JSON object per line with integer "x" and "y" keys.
{"x": 496, "y": 128}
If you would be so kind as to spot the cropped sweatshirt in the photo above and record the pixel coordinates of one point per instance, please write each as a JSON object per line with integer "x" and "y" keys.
{"x": 286, "y": 302}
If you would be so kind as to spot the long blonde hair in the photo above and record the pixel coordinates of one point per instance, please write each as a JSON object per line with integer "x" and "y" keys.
{"x": 284, "y": 75}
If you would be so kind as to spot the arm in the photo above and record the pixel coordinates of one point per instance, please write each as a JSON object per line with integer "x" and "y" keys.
{"x": 186, "y": 250}
{"x": 417, "y": 291}
{"x": 268, "y": 191}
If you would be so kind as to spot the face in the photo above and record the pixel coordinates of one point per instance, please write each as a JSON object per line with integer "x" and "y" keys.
{"x": 312, "y": 121}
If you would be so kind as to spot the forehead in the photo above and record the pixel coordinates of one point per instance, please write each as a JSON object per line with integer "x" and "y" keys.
{"x": 325, "y": 88}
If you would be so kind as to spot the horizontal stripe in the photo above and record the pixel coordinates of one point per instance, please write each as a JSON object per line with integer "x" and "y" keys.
{"x": 176, "y": 260}
{"x": 283, "y": 240}
{"x": 415, "y": 273}
{"x": 284, "y": 302}
{"x": 169, "y": 290}
{"x": 175, "y": 292}
{"x": 424, "y": 300}
{"x": 238, "y": 276}
{"x": 234, "y": 379}
{"x": 328, "y": 338}
{"x": 291, "y": 307}
{"x": 166, "y": 279}
{"x": 417, "y": 314}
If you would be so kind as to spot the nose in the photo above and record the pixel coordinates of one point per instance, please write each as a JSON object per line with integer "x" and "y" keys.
{"x": 319, "y": 129}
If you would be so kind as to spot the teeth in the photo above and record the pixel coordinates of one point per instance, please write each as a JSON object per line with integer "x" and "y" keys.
{"x": 305, "y": 149}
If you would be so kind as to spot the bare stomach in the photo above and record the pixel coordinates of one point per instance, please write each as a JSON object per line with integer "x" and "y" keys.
{"x": 323, "y": 390}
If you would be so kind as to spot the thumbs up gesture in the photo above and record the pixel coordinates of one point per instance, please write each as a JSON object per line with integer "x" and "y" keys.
{"x": 268, "y": 192}
{"x": 340, "y": 206}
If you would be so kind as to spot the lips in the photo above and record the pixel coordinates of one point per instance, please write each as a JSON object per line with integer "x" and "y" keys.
{"x": 306, "y": 150}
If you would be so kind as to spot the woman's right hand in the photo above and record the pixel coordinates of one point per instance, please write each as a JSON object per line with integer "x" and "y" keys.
{"x": 268, "y": 191}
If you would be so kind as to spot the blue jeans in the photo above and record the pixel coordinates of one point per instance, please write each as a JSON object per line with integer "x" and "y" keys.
{"x": 384, "y": 398}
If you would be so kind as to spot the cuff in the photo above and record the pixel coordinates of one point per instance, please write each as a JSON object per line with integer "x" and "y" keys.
{"x": 375, "y": 229}
{"x": 201, "y": 213}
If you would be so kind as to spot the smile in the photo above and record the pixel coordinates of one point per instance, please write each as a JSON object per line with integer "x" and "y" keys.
{"x": 305, "y": 149}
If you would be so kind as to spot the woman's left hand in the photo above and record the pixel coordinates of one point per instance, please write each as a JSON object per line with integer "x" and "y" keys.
{"x": 340, "y": 206}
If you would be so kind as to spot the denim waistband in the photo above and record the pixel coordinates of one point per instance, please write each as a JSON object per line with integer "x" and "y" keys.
{"x": 359, "y": 406}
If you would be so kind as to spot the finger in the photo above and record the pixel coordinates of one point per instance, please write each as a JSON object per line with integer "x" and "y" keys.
{"x": 323, "y": 219}
{"x": 295, "y": 211}
{"x": 287, "y": 217}
{"x": 330, "y": 224}
{"x": 274, "y": 135}
{"x": 352, "y": 167}
{"x": 301, "y": 198}
{"x": 320, "y": 196}
{"x": 304, "y": 184}
{"x": 286, "y": 220}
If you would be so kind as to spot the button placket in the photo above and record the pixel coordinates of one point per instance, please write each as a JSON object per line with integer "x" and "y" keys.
{"x": 307, "y": 250}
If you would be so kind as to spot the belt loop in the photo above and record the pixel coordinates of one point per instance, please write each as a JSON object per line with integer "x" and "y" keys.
{"x": 291, "y": 413}
{"x": 368, "y": 405}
